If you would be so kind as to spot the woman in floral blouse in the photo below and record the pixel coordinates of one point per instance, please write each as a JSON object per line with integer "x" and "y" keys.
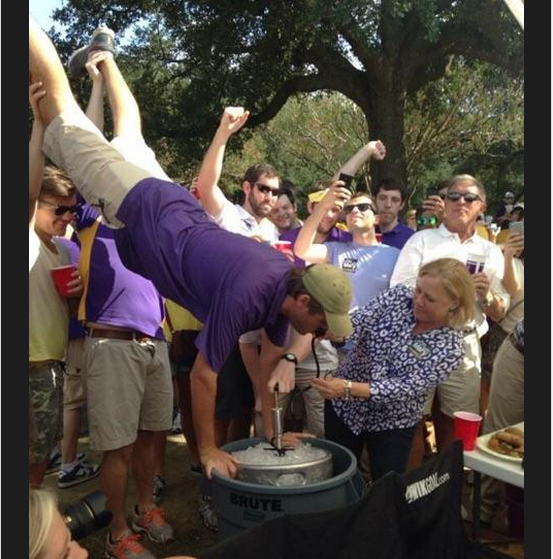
{"x": 405, "y": 343}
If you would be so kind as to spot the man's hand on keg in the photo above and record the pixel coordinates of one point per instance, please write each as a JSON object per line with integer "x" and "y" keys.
{"x": 216, "y": 459}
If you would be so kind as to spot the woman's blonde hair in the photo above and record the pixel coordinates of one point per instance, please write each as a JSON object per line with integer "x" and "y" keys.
{"x": 42, "y": 506}
{"x": 459, "y": 286}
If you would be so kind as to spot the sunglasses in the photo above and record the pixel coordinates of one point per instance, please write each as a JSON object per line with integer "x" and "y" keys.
{"x": 468, "y": 197}
{"x": 363, "y": 207}
{"x": 61, "y": 210}
{"x": 429, "y": 220}
{"x": 265, "y": 189}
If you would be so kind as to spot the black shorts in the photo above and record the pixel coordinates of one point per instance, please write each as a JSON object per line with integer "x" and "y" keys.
{"x": 234, "y": 388}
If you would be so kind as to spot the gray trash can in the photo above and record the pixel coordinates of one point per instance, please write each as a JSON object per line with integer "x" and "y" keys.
{"x": 241, "y": 505}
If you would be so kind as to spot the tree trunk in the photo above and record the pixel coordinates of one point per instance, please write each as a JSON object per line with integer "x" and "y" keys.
{"x": 385, "y": 113}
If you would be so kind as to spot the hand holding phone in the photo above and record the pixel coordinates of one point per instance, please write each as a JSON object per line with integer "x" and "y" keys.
{"x": 347, "y": 180}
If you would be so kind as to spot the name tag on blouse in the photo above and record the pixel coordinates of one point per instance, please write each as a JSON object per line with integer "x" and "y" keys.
{"x": 349, "y": 265}
{"x": 419, "y": 349}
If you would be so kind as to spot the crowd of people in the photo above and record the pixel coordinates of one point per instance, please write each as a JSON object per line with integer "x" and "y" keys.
{"x": 180, "y": 298}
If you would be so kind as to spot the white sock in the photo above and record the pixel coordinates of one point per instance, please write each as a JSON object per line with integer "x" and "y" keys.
{"x": 66, "y": 468}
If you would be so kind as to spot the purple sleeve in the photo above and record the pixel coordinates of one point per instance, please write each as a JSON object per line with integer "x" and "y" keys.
{"x": 86, "y": 214}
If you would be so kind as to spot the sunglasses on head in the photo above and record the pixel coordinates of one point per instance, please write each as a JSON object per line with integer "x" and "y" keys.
{"x": 428, "y": 220}
{"x": 265, "y": 189}
{"x": 61, "y": 210}
{"x": 468, "y": 197}
{"x": 363, "y": 207}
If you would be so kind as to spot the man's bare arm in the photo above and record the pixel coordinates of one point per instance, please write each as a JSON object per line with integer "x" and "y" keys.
{"x": 95, "y": 108}
{"x": 36, "y": 157}
{"x": 305, "y": 246}
{"x": 203, "y": 383}
{"x": 211, "y": 195}
{"x": 375, "y": 150}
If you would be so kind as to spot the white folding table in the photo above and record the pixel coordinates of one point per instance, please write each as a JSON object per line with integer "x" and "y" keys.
{"x": 482, "y": 462}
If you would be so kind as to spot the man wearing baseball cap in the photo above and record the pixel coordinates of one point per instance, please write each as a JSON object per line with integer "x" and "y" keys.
{"x": 231, "y": 283}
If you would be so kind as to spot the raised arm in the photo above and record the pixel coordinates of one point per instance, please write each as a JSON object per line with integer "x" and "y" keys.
{"x": 372, "y": 150}
{"x": 305, "y": 247}
{"x": 36, "y": 156}
{"x": 211, "y": 195}
{"x": 511, "y": 280}
{"x": 95, "y": 108}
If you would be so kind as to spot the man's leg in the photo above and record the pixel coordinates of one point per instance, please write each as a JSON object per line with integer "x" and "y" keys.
{"x": 72, "y": 141}
{"x": 128, "y": 139}
{"x": 45, "y": 396}
{"x": 506, "y": 407}
{"x": 113, "y": 482}
{"x": 143, "y": 468}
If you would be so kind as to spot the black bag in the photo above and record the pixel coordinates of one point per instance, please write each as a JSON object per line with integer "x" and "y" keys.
{"x": 371, "y": 528}
{"x": 433, "y": 494}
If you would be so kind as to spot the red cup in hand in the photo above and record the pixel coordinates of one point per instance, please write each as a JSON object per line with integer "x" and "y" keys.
{"x": 62, "y": 275}
{"x": 282, "y": 246}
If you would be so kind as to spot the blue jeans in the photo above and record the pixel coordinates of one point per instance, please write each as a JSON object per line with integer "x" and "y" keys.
{"x": 388, "y": 450}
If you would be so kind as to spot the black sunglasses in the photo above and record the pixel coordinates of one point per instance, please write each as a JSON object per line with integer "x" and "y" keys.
{"x": 61, "y": 210}
{"x": 468, "y": 197}
{"x": 429, "y": 220}
{"x": 363, "y": 207}
{"x": 265, "y": 189}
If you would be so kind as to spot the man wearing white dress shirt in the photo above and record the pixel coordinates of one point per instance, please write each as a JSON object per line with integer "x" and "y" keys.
{"x": 457, "y": 238}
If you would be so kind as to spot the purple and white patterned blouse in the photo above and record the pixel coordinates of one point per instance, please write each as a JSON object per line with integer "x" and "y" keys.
{"x": 400, "y": 367}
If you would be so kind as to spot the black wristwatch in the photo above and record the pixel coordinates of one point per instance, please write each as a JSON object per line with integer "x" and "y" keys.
{"x": 290, "y": 357}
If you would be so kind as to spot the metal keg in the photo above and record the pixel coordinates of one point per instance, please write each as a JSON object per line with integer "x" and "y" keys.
{"x": 287, "y": 473}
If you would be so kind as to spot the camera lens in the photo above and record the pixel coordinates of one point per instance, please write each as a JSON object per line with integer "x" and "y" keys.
{"x": 87, "y": 516}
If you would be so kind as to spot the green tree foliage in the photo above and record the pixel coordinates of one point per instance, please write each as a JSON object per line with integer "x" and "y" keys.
{"x": 191, "y": 58}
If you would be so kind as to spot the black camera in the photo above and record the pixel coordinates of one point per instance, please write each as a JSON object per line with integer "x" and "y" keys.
{"x": 87, "y": 516}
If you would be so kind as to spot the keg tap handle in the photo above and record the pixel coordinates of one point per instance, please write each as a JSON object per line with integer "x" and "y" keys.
{"x": 277, "y": 423}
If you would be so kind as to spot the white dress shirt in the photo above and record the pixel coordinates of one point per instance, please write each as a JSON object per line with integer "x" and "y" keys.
{"x": 431, "y": 244}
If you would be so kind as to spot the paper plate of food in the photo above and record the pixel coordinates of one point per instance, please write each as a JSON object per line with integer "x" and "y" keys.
{"x": 507, "y": 444}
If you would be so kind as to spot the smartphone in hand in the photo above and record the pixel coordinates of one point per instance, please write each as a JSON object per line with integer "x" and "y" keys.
{"x": 347, "y": 180}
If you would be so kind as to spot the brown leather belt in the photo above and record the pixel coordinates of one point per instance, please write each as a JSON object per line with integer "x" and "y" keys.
{"x": 41, "y": 364}
{"x": 118, "y": 334}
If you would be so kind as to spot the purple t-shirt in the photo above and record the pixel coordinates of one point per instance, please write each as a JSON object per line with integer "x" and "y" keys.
{"x": 113, "y": 294}
{"x": 231, "y": 283}
{"x": 397, "y": 237}
{"x": 337, "y": 235}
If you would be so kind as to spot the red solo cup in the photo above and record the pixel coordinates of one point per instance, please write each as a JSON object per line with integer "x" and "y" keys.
{"x": 282, "y": 246}
{"x": 378, "y": 237}
{"x": 467, "y": 425}
{"x": 62, "y": 275}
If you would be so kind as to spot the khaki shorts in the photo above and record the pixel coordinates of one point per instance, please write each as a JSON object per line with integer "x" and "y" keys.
{"x": 129, "y": 388}
{"x": 74, "y": 395}
{"x": 461, "y": 390}
{"x": 134, "y": 149}
{"x": 46, "y": 406}
{"x": 102, "y": 175}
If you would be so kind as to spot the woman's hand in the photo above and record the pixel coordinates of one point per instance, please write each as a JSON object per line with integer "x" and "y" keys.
{"x": 329, "y": 388}
{"x": 293, "y": 439}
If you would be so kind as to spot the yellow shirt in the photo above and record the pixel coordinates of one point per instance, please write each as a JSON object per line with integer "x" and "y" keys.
{"x": 48, "y": 312}
{"x": 181, "y": 319}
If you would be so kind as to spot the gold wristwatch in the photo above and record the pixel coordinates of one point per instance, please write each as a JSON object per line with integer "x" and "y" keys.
{"x": 348, "y": 384}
